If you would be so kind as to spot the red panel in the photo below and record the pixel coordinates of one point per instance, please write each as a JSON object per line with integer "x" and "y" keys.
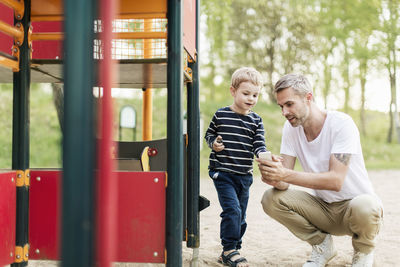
{"x": 189, "y": 27}
{"x": 141, "y": 217}
{"x": 6, "y": 42}
{"x": 7, "y": 217}
{"x": 44, "y": 214}
{"x": 140, "y": 224}
{"x": 47, "y": 49}
{"x": 41, "y": 49}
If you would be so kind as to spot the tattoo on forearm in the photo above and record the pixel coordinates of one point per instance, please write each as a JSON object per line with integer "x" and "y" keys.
{"x": 343, "y": 158}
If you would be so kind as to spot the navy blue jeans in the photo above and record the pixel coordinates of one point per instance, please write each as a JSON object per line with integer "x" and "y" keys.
{"x": 233, "y": 195}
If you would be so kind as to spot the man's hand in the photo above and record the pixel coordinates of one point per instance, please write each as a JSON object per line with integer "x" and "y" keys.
{"x": 272, "y": 170}
{"x": 277, "y": 184}
{"x": 218, "y": 145}
{"x": 268, "y": 168}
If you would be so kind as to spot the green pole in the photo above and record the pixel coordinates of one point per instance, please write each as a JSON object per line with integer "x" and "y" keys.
{"x": 193, "y": 183}
{"x": 193, "y": 161}
{"x": 20, "y": 139}
{"x": 174, "y": 209}
{"x": 78, "y": 143}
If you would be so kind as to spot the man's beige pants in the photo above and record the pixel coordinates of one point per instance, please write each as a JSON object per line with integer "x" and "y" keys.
{"x": 310, "y": 218}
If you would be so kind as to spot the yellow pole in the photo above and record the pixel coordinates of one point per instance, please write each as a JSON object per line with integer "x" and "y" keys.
{"x": 147, "y": 110}
{"x": 58, "y": 36}
{"x": 9, "y": 63}
{"x": 18, "y": 6}
{"x": 16, "y": 31}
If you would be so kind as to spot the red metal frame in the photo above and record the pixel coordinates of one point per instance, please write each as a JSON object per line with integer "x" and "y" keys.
{"x": 47, "y": 49}
{"x": 7, "y": 217}
{"x": 53, "y": 49}
{"x": 107, "y": 184}
{"x": 44, "y": 214}
{"x": 189, "y": 27}
{"x": 140, "y": 219}
{"x": 41, "y": 49}
{"x": 6, "y": 42}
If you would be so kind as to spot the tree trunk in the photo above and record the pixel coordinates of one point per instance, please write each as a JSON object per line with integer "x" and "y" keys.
{"x": 394, "y": 126}
{"x": 390, "y": 131}
{"x": 346, "y": 77}
{"x": 327, "y": 80}
{"x": 392, "y": 107}
{"x": 394, "y": 115}
{"x": 363, "y": 81}
{"x": 393, "y": 86}
{"x": 58, "y": 100}
{"x": 270, "y": 70}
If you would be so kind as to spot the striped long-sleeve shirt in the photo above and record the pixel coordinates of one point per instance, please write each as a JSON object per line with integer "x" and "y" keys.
{"x": 242, "y": 136}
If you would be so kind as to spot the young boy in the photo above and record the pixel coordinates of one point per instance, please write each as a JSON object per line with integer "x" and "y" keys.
{"x": 235, "y": 135}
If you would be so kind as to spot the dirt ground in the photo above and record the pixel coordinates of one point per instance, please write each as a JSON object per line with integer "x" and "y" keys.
{"x": 267, "y": 243}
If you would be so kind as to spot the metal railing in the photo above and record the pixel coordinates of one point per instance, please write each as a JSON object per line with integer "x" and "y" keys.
{"x": 16, "y": 32}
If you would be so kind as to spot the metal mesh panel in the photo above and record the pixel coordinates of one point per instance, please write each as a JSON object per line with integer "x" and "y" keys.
{"x": 134, "y": 48}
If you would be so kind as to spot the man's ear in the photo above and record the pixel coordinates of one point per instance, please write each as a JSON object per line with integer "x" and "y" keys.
{"x": 233, "y": 90}
{"x": 309, "y": 97}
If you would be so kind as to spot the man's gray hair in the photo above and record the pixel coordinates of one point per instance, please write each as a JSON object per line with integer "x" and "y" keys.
{"x": 297, "y": 82}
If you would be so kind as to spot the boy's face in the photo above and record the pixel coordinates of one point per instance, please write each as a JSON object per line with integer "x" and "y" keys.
{"x": 244, "y": 97}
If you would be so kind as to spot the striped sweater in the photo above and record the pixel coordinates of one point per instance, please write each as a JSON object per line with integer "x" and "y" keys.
{"x": 242, "y": 136}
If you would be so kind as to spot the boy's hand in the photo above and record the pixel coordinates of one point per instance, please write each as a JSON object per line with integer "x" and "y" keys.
{"x": 218, "y": 145}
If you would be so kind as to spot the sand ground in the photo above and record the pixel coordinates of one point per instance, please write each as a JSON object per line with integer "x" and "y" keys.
{"x": 267, "y": 243}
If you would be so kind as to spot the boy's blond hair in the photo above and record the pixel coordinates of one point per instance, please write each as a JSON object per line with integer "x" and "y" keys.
{"x": 246, "y": 74}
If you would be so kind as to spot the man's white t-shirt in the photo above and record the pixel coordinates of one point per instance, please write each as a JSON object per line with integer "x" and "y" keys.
{"x": 339, "y": 135}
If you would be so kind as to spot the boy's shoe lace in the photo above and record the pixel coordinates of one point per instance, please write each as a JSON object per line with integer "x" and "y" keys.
{"x": 321, "y": 253}
{"x": 362, "y": 259}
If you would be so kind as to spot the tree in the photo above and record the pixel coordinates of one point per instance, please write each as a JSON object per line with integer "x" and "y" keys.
{"x": 336, "y": 41}
{"x": 327, "y": 41}
{"x": 218, "y": 18}
{"x": 347, "y": 12}
{"x": 268, "y": 35}
{"x": 390, "y": 28}
{"x": 364, "y": 51}
{"x": 254, "y": 36}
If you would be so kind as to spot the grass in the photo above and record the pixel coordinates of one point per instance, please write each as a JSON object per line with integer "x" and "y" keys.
{"x": 6, "y": 97}
{"x": 46, "y": 138}
{"x": 378, "y": 154}
{"x": 45, "y": 133}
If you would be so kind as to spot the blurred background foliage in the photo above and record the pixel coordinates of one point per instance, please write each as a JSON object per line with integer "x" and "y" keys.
{"x": 46, "y": 137}
{"x": 342, "y": 46}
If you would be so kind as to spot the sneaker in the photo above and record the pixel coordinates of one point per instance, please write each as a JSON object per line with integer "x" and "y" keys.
{"x": 321, "y": 253}
{"x": 362, "y": 259}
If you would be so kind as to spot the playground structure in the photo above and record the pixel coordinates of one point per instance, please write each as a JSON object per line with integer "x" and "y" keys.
{"x": 89, "y": 213}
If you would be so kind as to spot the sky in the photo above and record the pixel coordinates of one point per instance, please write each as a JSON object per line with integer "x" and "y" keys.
{"x": 377, "y": 96}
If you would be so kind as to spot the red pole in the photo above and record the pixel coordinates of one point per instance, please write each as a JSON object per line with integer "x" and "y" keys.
{"x": 107, "y": 184}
